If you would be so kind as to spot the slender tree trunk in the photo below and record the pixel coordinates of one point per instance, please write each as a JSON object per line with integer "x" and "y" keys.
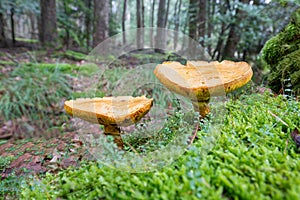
{"x": 88, "y": 18}
{"x": 177, "y": 21}
{"x": 234, "y": 37}
{"x": 3, "y": 42}
{"x": 67, "y": 38}
{"x": 48, "y": 33}
{"x": 143, "y": 13}
{"x": 218, "y": 50}
{"x": 211, "y": 12}
{"x": 167, "y": 13}
{"x": 160, "y": 41}
{"x": 192, "y": 25}
{"x": 139, "y": 22}
{"x": 152, "y": 21}
{"x": 123, "y": 20}
{"x": 12, "y": 24}
{"x": 193, "y": 19}
{"x": 202, "y": 21}
{"x": 101, "y": 19}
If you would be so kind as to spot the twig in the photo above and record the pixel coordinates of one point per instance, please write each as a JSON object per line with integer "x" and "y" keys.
{"x": 133, "y": 149}
{"x": 6, "y": 136}
{"x": 11, "y": 58}
{"x": 278, "y": 118}
{"x": 194, "y": 135}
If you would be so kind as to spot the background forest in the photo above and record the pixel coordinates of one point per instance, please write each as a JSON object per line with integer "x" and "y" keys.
{"x": 228, "y": 29}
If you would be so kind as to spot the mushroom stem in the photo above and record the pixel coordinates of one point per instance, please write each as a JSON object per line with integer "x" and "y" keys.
{"x": 114, "y": 131}
{"x": 202, "y": 107}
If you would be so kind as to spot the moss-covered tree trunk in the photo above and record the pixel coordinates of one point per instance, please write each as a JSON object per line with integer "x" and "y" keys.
{"x": 282, "y": 55}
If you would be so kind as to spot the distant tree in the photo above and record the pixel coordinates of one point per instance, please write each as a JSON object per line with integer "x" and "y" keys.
{"x": 140, "y": 23}
{"x": 202, "y": 20}
{"x": 177, "y": 20}
{"x": 192, "y": 24}
{"x": 123, "y": 20}
{"x": 3, "y": 41}
{"x": 12, "y": 21}
{"x": 48, "y": 26}
{"x": 234, "y": 35}
{"x": 152, "y": 20}
{"x": 161, "y": 18}
{"x": 88, "y": 24}
{"x": 101, "y": 21}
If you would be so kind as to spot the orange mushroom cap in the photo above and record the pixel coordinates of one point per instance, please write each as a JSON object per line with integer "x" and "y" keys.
{"x": 121, "y": 110}
{"x": 199, "y": 80}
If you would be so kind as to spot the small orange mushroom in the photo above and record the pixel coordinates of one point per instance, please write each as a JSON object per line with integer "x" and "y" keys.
{"x": 199, "y": 80}
{"x": 112, "y": 112}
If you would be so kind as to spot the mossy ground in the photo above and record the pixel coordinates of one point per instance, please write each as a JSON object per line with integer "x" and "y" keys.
{"x": 253, "y": 157}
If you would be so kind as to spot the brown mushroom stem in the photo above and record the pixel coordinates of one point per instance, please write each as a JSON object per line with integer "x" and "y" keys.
{"x": 114, "y": 131}
{"x": 202, "y": 107}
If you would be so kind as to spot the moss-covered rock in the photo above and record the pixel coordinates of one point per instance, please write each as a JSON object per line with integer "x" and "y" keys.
{"x": 282, "y": 55}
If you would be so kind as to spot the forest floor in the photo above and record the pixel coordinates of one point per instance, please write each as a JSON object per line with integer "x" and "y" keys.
{"x": 38, "y": 154}
{"x": 43, "y": 153}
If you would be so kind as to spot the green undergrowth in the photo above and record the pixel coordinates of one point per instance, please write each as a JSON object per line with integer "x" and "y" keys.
{"x": 73, "y": 55}
{"x": 253, "y": 157}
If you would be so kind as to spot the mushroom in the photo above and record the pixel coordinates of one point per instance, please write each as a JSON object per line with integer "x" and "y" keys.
{"x": 199, "y": 80}
{"x": 112, "y": 112}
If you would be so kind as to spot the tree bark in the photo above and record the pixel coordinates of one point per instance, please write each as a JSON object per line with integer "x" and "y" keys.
{"x": 3, "y": 42}
{"x": 88, "y": 18}
{"x": 101, "y": 19}
{"x": 123, "y": 20}
{"x": 139, "y": 22}
{"x": 210, "y": 14}
{"x": 233, "y": 36}
{"x": 48, "y": 33}
{"x": 152, "y": 21}
{"x": 167, "y": 13}
{"x": 12, "y": 24}
{"x": 177, "y": 20}
{"x": 192, "y": 25}
{"x": 160, "y": 42}
{"x": 202, "y": 21}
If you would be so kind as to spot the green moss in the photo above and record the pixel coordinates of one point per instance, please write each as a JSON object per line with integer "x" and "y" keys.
{"x": 282, "y": 55}
{"x": 253, "y": 158}
{"x": 288, "y": 67}
{"x": 10, "y": 63}
{"x": 75, "y": 55}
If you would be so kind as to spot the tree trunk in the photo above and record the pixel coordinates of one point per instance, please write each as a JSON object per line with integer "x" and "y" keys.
{"x": 48, "y": 27}
{"x": 101, "y": 19}
{"x": 160, "y": 42}
{"x": 123, "y": 21}
{"x": 12, "y": 24}
{"x": 192, "y": 24}
{"x": 210, "y": 14}
{"x": 139, "y": 22}
{"x": 177, "y": 20}
{"x": 202, "y": 21}
{"x": 233, "y": 36}
{"x": 167, "y": 14}
{"x": 3, "y": 42}
{"x": 152, "y": 22}
{"x": 217, "y": 52}
{"x": 88, "y": 18}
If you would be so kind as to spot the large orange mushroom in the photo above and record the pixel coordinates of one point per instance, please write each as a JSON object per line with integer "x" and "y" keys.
{"x": 112, "y": 112}
{"x": 199, "y": 80}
